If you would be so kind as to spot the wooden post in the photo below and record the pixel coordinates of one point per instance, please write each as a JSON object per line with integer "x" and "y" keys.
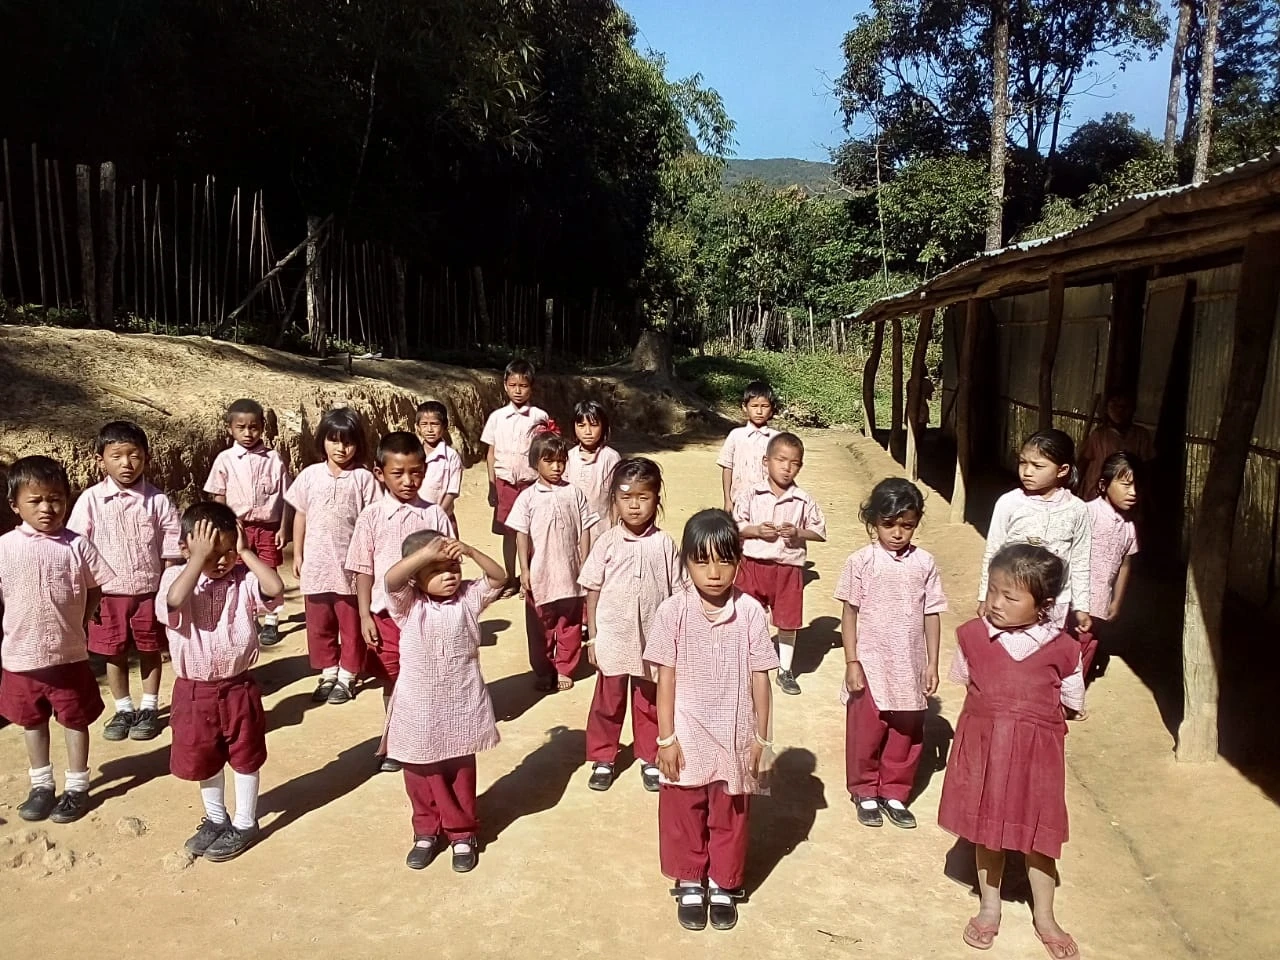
{"x": 84, "y": 234}
{"x": 13, "y": 237}
{"x": 915, "y": 392}
{"x": 869, "y": 370}
{"x": 1124, "y": 342}
{"x": 895, "y": 406}
{"x": 1210, "y": 553}
{"x": 110, "y": 243}
{"x": 973, "y": 314}
{"x": 1049, "y": 352}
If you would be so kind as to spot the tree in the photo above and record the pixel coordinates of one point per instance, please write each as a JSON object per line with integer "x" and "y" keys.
{"x": 1186, "y": 12}
{"x": 999, "y": 121}
{"x": 1204, "y": 126}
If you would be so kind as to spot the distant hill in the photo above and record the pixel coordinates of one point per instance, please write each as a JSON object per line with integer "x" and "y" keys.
{"x": 813, "y": 175}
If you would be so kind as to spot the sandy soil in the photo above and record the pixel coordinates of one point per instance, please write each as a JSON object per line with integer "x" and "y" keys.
{"x": 568, "y": 872}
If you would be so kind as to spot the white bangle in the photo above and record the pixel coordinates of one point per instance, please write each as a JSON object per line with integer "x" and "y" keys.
{"x": 666, "y": 741}
{"x": 763, "y": 742}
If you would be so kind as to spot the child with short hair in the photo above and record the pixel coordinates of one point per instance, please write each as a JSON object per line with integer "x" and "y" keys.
{"x": 891, "y": 626}
{"x": 1005, "y": 787}
{"x": 135, "y": 528}
{"x": 251, "y": 479}
{"x": 441, "y": 715}
{"x": 210, "y": 606}
{"x": 551, "y": 519}
{"x": 327, "y": 498}
{"x": 710, "y": 645}
{"x": 443, "y": 482}
{"x": 591, "y": 464}
{"x": 1112, "y": 545}
{"x": 777, "y": 520}
{"x": 508, "y": 433}
{"x": 50, "y": 579}
{"x": 630, "y": 570}
{"x": 742, "y": 457}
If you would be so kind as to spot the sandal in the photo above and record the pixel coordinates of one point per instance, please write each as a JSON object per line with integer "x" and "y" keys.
{"x": 512, "y": 589}
{"x": 978, "y": 935}
{"x": 323, "y": 689}
{"x": 1066, "y": 944}
{"x": 691, "y": 906}
{"x": 420, "y": 856}
{"x": 564, "y": 684}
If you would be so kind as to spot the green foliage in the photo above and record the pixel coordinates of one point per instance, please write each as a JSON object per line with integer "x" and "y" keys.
{"x": 812, "y": 176}
{"x": 1137, "y": 176}
{"x": 821, "y": 389}
{"x": 937, "y": 206}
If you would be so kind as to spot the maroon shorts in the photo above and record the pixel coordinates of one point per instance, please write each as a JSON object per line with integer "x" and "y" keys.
{"x": 124, "y": 619}
{"x": 507, "y": 493}
{"x": 778, "y": 586}
{"x": 215, "y": 723}
{"x": 68, "y": 691}
{"x": 261, "y": 538}
{"x": 384, "y": 662}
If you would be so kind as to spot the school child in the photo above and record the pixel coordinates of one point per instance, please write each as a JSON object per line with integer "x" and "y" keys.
{"x": 551, "y": 519}
{"x": 443, "y": 482}
{"x": 1113, "y": 543}
{"x": 441, "y": 715}
{"x": 891, "y": 625}
{"x": 508, "y": 433}
{"x": 710, "y": 645}
{"x": 251, "y": 479}
{"x": 1118, "y": 433}
{"x": 1005, "y": 787}
{"x": 135, "y": 528}
{"x": 50, "y": 578}
{"x": 591, "y": 463}
{"x": 209, "y": 606}
{"x": 375, "y": 548}
{"x": 741, "y": 458}
{"x": 777, "y": 520}
{"x": 1044, "y": 513}
{"x": 327, "y": 498}
{"x": 631, "y": 569}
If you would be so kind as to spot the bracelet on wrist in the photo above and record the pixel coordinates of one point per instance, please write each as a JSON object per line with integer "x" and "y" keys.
{"x": 763, "y": 742}
{"x": 854, "y": 660}
{"x": 666, "y": 741}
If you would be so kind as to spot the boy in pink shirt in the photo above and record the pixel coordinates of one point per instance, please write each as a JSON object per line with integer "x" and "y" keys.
{"x": 49, "y": 581}
{"x": 742, "y": 456}
{"x": 135, "y": 528}
{"x": 508, "y": 433}
{"x": 551, "y": 519}
{"x": 251, "y": 479}
{"x": 210, "y": 606}
{"x": 777, "y": 520}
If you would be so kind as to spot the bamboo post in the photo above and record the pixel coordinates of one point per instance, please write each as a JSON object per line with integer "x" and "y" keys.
{"x": 35, "y": 187}
{"x": 2, "y": 236}
{"x": 895, "y": 402}
{"x": 13, "y": 237}
{"x": 133, "y": 248}
{"x": 192, "y": 311}
{"x": 869, "y": 371}
{"x": 62, "y": 233}
{"x": 1049, "y": 352}
{"x": 915, "y": 393}
{"x": 550, "y": 329}
{"x": 162, "y": 288}
{"x": 148, "y": 310}
{"x": 1210, "y": 553}
{"x": 813, "y": 344}
{"x": 314, "y": 332}
{"x": 110, "y": 243}
{"x": 177, "y": 282}
{"x": 974, "y": 309}
{"x": 53, "y": 240}
{"x": 84, "y": 235}
{"x": 482, "y": 305}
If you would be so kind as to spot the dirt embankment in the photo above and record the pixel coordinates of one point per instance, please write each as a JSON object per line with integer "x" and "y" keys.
{"x": 57, "y": 387}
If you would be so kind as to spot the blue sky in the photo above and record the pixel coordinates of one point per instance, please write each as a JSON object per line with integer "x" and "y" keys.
{"x": 773, "y": 60}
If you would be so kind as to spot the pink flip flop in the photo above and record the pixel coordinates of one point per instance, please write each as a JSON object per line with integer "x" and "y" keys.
{"x": 978, "y": 935}
{"x": 1067, "y": 944}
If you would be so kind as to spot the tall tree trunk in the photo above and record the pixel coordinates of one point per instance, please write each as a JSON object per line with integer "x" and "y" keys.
{"x": 401, "y": 322}
{"x": 999, "y": 122}
{"x": 548, "y": 332}
{"x": 84, "y": 233}
{"x": 482, "y": 304}
{"x": 315, "y": 324}
{"x": 1208, "y": 53}
{"x": 110, "y": 243}
{"x": 1185, "y": 10}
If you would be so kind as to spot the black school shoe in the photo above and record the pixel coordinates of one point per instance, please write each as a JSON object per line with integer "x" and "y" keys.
{"x": 204, "y": 837}
{"x": 119, "y": 726}
{"x": 899, "y": 816}
{"x": 724, "y": 908}
{"x": 693, "y": 914}
{"x": 146, "y": 727}
{"x": 323, "y": 689}
{"x": 420, "y": 856}
{"x": 340, "y": 693}
{"x": 464, "y": 861}
{"x": 649, "y": 777}
{"x": 787, "y": 683}
{"x": 601, "y": 777}
{"x": 868, "y": 816}
{"x": 71, "y": 806}
{"x": 387, "y": 765}
{"x": 38, "y": 805}
{"x": 232, "y": 842}
{"x": 269, "y": 635}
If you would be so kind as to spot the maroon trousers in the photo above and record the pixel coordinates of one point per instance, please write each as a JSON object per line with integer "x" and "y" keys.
{"x": 333, "y": 632}
{"x": 1089, "y": 645}
{"x": 702, "y": 833}
{"x": 555, "y": 636}
{"x": 443, "y": 797}
{"x": 609, "y": 709}
{"x": 882, "y": 748}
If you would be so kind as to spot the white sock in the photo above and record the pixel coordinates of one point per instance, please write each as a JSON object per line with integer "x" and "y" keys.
{"x": 271, "y": 619}
{"x": 786, "y": 648}
{"x": 695, "y": 892}
{"x": 246, "y": 800}
{"x": 896, "y": 804}
{"x": 150, "y": 701}
{"x": 717, "y": 893}
{"x": 213, "y": 792}
{"x": 41, "y": 777}
{"x": 124, "y": 705}
{"x": 329, "y": 673}
{"x": 346, "y": 677}
{"x": 76, "y": 781}
{"x": 868, "y": 803}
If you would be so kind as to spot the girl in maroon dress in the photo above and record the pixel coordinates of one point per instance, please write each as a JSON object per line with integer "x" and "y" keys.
{"x": 1005, "y": 787}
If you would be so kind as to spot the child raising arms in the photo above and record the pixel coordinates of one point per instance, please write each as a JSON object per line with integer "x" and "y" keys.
{"x": 710, "y": 644}
{"x": 631, "y": 569}
{"x": 591, "y": 464}
{"x": 443, "y": 482}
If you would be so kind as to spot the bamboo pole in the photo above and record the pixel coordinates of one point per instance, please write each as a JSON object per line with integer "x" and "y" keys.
{"x": 974, "y": 311}
{"x": 35, "y": 187}
{"x": 1049, "y": 351}
{"x": 177, "y": 273}
{"x": 192, "y": 311}
{"x": 111, "y": 248}
{"x": 2, "y": 236}
{"x": 13, "y": 237}
{"x": 147, "y": 309}
{"x": 162, "y": 289}
{"x": 53, "y": 241}
{"x": 62, "y": 233}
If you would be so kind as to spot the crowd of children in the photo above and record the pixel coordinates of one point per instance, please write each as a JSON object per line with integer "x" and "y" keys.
{"x": 682, "y": 632}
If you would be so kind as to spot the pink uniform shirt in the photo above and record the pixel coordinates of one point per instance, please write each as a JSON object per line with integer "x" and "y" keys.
{"x": 592, "y": 476}
{"x": 444, "y": 473}
{"x": 44, "y": 584}
{"x": 440, "y": 708}
{"x": 253, "y": 482}
{"x": 509, "y": 431}
{"x": 714, "y": 661}
{"x": 1021, "y": 644}
{"x": 554, "y": 519}
{"x": 214, "y": 635}
{"x": 136, "y": 529}
{"x": 634, "y": 575}
{"x": 893, "y": 592}
{"x": 743, "y": 452}
{"x": 379, "y": 535}
{"x": 331, "y": 506}
{"x": 1114, "y": 538}
{"x": 760, "y": 505}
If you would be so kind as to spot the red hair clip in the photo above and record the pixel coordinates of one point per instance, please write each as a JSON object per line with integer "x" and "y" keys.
{"x": 547, "y": 426}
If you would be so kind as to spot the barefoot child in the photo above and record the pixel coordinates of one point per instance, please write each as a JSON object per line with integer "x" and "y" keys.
{"x": 508, "y": 433}
{"x": 49, "y": 582}
{"x": 380, "y": 529}
{"x": 741, "y": 458}
{"x": 1005, "y": 787}
{"x": 441, "y": 715}
{"x": 591, "y": 464}
{"x": 631, "y": 569}
{"x": 251, "y": 479}
{"x": 891, "y": 626}
{"x": 327, "y": 498}
{"x": 710, "y": 645}
{"x": 551, "y": 519}
{"x": 777, "y": 520}
{"x": 135, "y": 528}
{"x": 210, "y": 607}
{"x": 443, "y": 481}
{"x": 1113, "y": 543}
